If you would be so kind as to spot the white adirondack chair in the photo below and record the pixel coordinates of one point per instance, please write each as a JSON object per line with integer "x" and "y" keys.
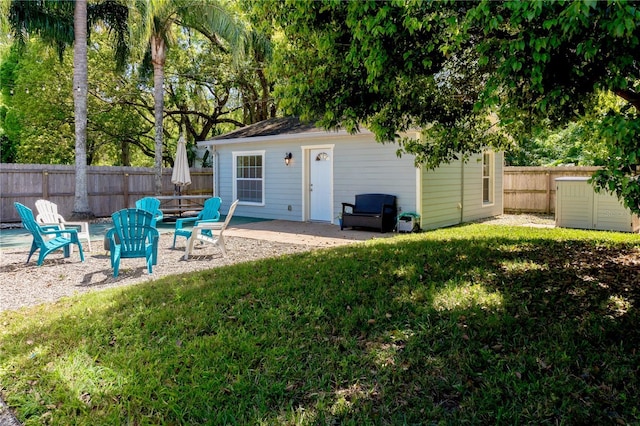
{"x": 48, "y": 215}
{"x": 210, "y": 232}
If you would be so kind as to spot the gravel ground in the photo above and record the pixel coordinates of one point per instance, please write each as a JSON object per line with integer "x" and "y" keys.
{"x": 523, "y": 219}
{"x": 27, "y": 284}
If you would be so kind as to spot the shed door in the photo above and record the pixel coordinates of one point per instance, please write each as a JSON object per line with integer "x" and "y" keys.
{"x": 574, "y": 204}
{"x": 320, "y": 207}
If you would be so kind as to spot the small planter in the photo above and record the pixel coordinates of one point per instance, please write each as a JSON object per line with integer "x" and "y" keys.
{"x": 408, "y": 222}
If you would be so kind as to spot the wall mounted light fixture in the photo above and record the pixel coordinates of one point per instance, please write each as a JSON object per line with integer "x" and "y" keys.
{"x": 287, "y": 158}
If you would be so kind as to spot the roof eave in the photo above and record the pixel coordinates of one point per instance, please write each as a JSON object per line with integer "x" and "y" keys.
{"x": 282, "y": 137}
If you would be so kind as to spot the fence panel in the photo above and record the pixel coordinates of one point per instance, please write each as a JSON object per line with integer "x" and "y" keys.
{"x": 533, "y": 189}
{"x": 109, "y": 188}
{"x": 526, "y": 189}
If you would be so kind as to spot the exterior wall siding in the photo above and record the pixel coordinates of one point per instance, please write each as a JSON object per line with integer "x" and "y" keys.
{"x": 441, "y": 195}
{"x": 452, "y": 193}
{"x": 473, "y": 207}
{"x": 446, "y": 196}
{"x": 282, "y": 183}
{"x": 362, "y": 165}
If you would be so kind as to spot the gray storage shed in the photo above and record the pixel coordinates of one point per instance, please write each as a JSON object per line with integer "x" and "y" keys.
{"x": 579, "y": 206}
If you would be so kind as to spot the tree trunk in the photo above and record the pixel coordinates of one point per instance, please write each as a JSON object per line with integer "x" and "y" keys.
{"x": 158, "y": 57}
{"x": 81, "y": 208}
{"x": 264, "y": 98}
{"x": 125, "y": 153}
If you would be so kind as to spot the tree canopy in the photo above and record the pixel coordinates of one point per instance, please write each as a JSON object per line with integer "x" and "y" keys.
{"x": 206, "y": 92}
{"x": 156, "y": 23}
{"x": 203, "y": 92}
{"x": 468, "y": 74}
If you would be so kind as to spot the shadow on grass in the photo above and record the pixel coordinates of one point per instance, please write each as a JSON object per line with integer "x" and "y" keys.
{"x": 474, "y": 324}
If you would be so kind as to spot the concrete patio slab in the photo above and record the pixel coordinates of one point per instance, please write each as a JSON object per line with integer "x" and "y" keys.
{"x": 307, "y": 233}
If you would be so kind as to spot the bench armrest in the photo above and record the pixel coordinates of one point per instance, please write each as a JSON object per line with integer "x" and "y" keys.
{"x": 346, "y": 206}
{"x": 388, "y": 206}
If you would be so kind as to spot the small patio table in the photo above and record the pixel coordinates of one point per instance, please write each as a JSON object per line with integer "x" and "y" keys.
{"x": 180, "y": 204}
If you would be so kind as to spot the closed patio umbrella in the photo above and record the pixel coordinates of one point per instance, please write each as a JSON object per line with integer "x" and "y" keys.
{"x": 181, "y": 176}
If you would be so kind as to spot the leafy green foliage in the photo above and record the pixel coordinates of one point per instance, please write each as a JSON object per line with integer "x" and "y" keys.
{"x": 621, "y": 175}
{"x": 347, "y": 61}
{"x": 39, "y": 114}
{"x": 553, "y": 55}
{"x": 201, "y": 95}
{"x": 52, "y": 22}
{"x": 208, "y": 91}
{"x": 9, "y": 133}
{"x": 552, "y": 59}
{"x": 579, "y": 142}
{"x": 473, "y": 324}
{"x": 465, "y": 74}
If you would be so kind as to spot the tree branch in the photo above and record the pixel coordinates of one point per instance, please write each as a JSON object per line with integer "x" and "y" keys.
{"x": 630, "y": 96}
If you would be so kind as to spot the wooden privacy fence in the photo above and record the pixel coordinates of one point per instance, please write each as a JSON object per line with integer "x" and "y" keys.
{"x": 526, "y": 189}
{"x": 533, "y": 189}
{"x": 110, "y": 188}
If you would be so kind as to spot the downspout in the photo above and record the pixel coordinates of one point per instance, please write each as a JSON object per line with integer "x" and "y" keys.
{"x": 419, "y": 201}
{"x": 214, "y": 169}
{"x": 216, "y": 174}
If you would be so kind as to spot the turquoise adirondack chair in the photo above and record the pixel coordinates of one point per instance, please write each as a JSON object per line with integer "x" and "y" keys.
{"x": 62, "y": 238}
{"x": 210, "y": 213}
{"x": 133, "y": 235}
{"x": 152, "y": 205}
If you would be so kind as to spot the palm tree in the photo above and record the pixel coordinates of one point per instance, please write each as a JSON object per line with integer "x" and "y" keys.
{"x": 64, "y": 23}
{"x": 157, "y": 21}
{"x": 81, "y": 207}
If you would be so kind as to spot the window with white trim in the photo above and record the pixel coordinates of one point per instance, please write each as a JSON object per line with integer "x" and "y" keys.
{"x": 487, "y": 177}
{"x": 248, "y": 177}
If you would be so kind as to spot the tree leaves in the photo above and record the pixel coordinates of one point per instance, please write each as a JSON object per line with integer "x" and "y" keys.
{"x": 543, "y": 61}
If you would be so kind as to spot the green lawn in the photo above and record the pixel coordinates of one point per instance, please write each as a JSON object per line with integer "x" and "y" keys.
{"x": 475, "y": 324}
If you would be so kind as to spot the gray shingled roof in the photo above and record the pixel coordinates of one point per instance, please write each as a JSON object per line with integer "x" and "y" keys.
{"x": 271, "y": 127}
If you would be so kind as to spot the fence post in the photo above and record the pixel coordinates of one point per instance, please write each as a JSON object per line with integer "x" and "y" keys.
{"x": 45, "y": 184}
{"x": 125, "y": 187}
{"x": 548, "y": 192}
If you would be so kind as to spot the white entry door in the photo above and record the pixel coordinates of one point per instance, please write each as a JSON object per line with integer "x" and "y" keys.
{"x": 320, "y": 205}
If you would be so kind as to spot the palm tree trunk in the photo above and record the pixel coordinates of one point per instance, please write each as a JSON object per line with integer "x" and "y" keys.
{"x": 80, "y": 82}
{"x": 158, "y": 57}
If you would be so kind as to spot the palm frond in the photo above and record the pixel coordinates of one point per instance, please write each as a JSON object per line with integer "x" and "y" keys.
{"x": 52, "y": 20}
{"x": 115, "y": 15}
{"x": 217, "y": 23}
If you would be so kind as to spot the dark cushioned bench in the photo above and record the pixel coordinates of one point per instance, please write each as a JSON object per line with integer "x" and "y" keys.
{"x": 370, "y": 211}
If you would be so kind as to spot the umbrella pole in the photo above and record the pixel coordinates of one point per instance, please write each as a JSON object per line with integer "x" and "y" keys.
{"x": 177, "y": 189}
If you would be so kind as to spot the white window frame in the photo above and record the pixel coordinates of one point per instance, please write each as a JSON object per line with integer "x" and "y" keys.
{"x": 488, "y": 176}
{"x": 235, "y": 156}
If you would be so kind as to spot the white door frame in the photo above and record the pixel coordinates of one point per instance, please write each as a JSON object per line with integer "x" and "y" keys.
{"x": 306, "y": 179}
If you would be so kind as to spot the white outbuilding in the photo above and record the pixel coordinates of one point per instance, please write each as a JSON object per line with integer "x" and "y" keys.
{"x": 284, "y": 169}
{"x": 579, "y": 206}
